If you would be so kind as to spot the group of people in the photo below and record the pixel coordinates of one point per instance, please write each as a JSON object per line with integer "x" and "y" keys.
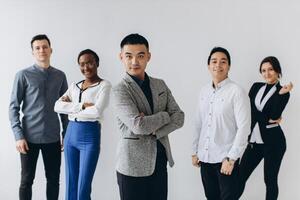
{"x": 233, "y": 133}
{"x": 228, "y": 122}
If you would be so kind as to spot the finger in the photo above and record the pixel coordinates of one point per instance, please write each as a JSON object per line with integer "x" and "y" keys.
{"x": 26, "y": 146}
{"x": 22, "y": 150}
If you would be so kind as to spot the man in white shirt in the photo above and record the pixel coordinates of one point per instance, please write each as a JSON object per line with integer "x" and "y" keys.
{"x": 222, "y": 127}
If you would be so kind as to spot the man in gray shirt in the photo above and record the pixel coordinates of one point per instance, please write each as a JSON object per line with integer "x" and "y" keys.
{"x": 35, "y": 91}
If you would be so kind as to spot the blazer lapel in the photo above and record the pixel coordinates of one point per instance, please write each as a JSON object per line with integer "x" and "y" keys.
{"x": 138, "y": 93}
{"x": 154, "y": 91}
{"x": 260, "y": 104}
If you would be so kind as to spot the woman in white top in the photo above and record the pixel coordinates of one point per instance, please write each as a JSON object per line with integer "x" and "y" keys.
{"x": 84, "y": 102}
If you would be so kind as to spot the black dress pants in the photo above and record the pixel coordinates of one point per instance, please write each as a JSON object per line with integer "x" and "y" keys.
{"x": 218, "y": 186}
{"x": 272, "y": 155}
{"x": 51, "y": 153}
{"x": 154, "y": 187}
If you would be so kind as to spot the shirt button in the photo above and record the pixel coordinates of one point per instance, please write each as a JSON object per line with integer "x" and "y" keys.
{"x": 208, "y": 125}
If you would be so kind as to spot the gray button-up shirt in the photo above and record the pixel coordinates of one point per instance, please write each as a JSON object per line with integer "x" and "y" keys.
{"x": 35, "y": 91}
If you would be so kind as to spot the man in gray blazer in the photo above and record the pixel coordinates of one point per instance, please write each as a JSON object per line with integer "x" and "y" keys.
{"x": 147, "y": 113}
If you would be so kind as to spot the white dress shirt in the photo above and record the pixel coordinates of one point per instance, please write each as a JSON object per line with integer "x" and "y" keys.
{"x": 222, "y": 122}
{"x": 97, "y": 93}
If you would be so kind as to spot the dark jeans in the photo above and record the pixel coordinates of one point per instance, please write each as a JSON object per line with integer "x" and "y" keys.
{"x": 154, "y": 187}
{"x": 218, "y": 186}
{"x": 272, "y": 156}
{"x": 52, "y": 158}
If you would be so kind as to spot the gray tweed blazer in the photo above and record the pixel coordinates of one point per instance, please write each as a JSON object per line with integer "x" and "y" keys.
{"x": 136, "y": 153}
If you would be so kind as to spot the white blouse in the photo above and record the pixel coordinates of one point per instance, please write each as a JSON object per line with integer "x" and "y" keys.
{"x": 97, "y": 93}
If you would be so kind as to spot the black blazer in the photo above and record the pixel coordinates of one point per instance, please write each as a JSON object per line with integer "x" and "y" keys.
{"x": 272, "y": 110}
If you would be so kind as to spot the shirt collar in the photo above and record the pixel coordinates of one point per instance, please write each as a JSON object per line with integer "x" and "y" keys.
{"x": 79, "y": 84}
{"x": 139, "y": 81}
{"x": 221, "y": 84}
{"x": 36, "y": 66}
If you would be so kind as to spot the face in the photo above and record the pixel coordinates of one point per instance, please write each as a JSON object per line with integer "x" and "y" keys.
{"x": 88, "y": 65}
{"x": 41, "y": 50}
{"x": 135, "y": 58}
{"x": 218, "y": 66}
{"x": 268, "y": 73}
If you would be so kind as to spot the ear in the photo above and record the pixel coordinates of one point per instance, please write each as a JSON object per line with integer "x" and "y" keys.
{"x": 120, "y": 56}
{"x": 149, "y": 56}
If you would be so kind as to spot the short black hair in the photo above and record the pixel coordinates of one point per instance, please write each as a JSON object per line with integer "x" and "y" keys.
{"x": 222, "y": 50}
{"x": 91, "y": 52}
{"x": 40, "y": 37}
{"x": 134, "y": 38}
{"x": 274, "y": 62}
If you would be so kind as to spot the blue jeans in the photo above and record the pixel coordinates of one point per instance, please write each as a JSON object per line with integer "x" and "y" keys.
{"x": 82, "y": 148}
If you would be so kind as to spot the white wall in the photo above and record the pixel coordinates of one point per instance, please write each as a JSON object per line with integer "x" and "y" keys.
{"x": 181, "y": 34}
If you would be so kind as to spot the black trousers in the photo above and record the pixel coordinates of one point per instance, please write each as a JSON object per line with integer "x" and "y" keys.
{"x": 52, "y": 159}
{"x": 272, "y": 156}
{"x": 218, "y": 186}
{"x": 154, "y": 187}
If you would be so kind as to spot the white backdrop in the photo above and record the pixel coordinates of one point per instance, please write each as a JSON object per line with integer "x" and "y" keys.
{"x": 181, "y": 35}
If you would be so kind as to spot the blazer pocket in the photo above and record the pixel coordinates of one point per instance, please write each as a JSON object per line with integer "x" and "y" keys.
{"x": 161, "y": 93}
{"x": 130, "y": 138}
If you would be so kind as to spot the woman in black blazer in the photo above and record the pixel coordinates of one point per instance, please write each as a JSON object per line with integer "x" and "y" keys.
{"x": 267, "y": 140}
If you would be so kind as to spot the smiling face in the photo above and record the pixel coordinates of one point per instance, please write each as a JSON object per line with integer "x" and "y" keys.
{"x": 135, "y": 58}
{"x": 41, "y": 51}
{"x": 88, "y": 66}
{"x": 218, "y": 66}
{"x": 268, "y": 73}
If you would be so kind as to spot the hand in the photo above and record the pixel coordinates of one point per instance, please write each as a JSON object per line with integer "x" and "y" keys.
{"x": 286, "y": 88}
{"x": 65, "y": 99}
{"x": 22, "y": 146}
{"x": 227, "y": 167}
{"x": 195, "y": 161}
{"x": 86, "y": 105}
{"x": 142, "y": 115}
{"x": 277, "y": 121}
